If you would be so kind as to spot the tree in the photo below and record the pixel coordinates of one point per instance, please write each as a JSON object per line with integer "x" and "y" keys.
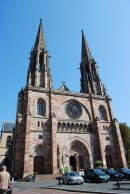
{"x": 125, "y": 134}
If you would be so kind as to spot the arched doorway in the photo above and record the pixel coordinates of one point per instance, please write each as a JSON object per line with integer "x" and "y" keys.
{"x": 80, "y": 161}
{"x": 76, "y": 162}
{"x": 109, "y": 162}
{"x": 108, "y": 156}
{"x": 73, "y": 163}
{"x": 39, "y": 164}
{"x": 77, "y": 155}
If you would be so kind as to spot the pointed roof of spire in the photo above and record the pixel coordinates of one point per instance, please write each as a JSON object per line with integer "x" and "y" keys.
{"x": 40, "y": 40}
{"x": 85, "y": 48}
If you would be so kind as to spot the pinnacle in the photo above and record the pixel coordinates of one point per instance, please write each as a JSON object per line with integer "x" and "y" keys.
{"x": 85, "y": 48}
{"x": 40, "y": 40}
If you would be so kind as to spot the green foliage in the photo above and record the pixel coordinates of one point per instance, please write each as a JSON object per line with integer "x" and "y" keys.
{"x": 125, "y": 134}
{"x": 98, "y": 163}
{"x": 66, "y": 169}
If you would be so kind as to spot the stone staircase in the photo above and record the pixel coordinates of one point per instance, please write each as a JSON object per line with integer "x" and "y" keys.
{"x": 47, "y": 177}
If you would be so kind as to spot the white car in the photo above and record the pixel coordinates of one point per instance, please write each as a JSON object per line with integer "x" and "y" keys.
{"x": 72, "y": 177}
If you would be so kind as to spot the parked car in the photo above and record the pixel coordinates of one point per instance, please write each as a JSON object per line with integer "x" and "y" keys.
{"x": 96, "y": 175}
{"x": 114, "y": 176}
{"x": 125, "y": 172}
{"x": 72, "y": 177}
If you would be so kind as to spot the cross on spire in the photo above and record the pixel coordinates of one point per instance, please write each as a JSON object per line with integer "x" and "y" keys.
{"x": 63, "y": 82}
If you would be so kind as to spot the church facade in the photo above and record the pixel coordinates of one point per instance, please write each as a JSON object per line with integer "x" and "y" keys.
{"x": 60, "y": 128}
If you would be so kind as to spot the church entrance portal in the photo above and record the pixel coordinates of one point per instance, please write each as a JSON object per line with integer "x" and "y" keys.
{"x": 80, "y": 161}
{"x": 78, "y": 156}
{"x": 73, "y": 163}
{"x": 109, "y": 161}
{"x": 39, "y": 164}
{"x": 76, "y": 163}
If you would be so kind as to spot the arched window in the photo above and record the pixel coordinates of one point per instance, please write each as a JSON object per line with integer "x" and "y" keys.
{"x": 72, "y": 126}
{"x": 81, "y": 126}
{"x": 42, "y": 124}
{"x": 85, "y": 127}
{"x": 89, "y": 128}
{"x": 41, "y": 65}
{"x": 38, "y": 124}
{"x": 102, "y": 113}
{"x": 63, "y": 126}
{"x": 59, "y": 125}
{"x": 41, "y": 107}
{"x": 77, "y": 126}
{"x": 68, "y": 125}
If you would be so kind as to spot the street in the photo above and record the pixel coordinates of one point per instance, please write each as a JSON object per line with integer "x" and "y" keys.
{"x": 50, "y": 187}
{"x": 46, "y": 191}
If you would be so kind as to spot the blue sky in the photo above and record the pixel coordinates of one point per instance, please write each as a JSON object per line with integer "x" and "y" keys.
{"x": 106, "y": 25}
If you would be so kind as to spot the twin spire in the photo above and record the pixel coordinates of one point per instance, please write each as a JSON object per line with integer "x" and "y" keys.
{"x": 90, "y": 80}
{"x": 39, "y": 74}
{"x": 85, "y": 52}
{"x": 39, "y": 70}
{"x": 40, "y": 40}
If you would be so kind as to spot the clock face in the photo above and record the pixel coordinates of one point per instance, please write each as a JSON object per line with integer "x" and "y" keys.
{"x": 73, "y": 109}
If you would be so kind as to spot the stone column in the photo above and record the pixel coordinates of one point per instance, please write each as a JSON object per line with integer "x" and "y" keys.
{"x": 100, "y": 143}
{"x": 27, "y": 137}
{"x": 54, "y": 146}
{"x": 119, "y": 145}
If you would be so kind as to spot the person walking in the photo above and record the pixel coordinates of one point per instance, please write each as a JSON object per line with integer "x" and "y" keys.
{"x": 4, "y": 180}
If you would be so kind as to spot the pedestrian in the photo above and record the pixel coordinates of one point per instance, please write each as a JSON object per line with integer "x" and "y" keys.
{"x": 4, "y": 180}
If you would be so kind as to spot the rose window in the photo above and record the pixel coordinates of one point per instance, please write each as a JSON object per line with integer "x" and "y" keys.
{"x": 73, "y": 109}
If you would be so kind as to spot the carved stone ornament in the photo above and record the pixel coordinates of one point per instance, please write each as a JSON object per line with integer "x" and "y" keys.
{"x": 73, "y": 109}
{"x": 115, "y": 120}
{"x": 97, "y": 119}
{"x": 53, "y": 114}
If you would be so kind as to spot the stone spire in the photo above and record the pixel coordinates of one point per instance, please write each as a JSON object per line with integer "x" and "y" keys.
{"x": 90, "y": 81}
{"x": 39, "y": 74}
{"x": 40, "y": 40}
{"x": 85, "y": 54}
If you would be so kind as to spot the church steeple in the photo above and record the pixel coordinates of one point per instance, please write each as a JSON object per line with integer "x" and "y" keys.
{"x": 39, "y": 71}
{"x": 90, "y": 81}
{"x": 40, "y": 40}
{"x": 86, "y": 54}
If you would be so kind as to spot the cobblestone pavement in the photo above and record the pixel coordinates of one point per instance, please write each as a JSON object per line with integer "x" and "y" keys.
{"x": 44, "y": 191}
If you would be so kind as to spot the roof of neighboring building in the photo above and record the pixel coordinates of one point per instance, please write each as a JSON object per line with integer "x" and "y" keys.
{"x": 8, "y": 127}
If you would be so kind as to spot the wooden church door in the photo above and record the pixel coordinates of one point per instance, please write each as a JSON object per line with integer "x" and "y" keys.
{"x": 39, "y": 164}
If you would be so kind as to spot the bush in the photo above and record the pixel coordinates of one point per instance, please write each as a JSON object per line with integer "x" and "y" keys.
{"x": 98, "y": 163}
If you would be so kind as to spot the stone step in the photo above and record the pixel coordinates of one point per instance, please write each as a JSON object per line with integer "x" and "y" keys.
{"x": 46, "y": 177}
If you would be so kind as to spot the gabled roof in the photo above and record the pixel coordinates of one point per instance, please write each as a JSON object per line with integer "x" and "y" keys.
{"x": 63, "y": 88}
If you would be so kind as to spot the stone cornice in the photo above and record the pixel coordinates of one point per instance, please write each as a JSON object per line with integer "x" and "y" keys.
{"x": 67, "y": 93}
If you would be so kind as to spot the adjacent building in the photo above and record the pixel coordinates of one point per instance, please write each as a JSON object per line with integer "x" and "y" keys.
{"x": 6, "y": 140}
{"x": 58, "y": 128}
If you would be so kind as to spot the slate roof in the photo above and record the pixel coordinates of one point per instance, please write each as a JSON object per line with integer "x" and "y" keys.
{"x": 8, "y": 127}
{"x": 63, "y": 88}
